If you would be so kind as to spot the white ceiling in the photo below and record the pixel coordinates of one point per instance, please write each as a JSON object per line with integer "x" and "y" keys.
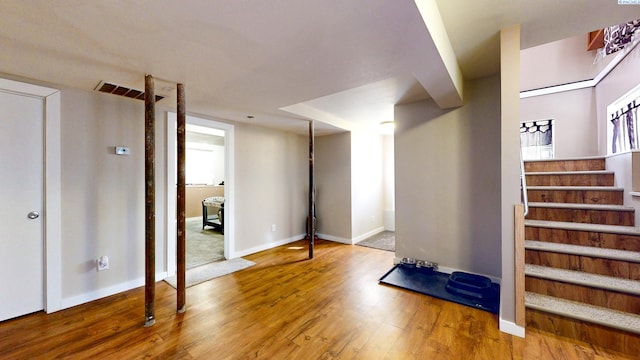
{"x": 342, "y": 62}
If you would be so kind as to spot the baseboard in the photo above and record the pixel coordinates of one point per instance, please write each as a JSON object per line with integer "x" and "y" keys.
{"x": 335, "y": 239}
{"x": 108, "y": 291}
{"x": 511, "y": 328}
{"x": 369, "y": 234}
{"x": 263, "y": 247}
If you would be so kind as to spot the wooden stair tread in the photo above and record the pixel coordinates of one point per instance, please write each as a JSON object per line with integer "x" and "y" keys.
{"x": 580, "y": 206}
{"x": 589, "y": 313}
{"x": 590, "y": 251}
{"x": 610, "y": 229}
{"x": 576, "y": 188}
{"x": 581, "y": 278}
{"x": 576, "y": 172}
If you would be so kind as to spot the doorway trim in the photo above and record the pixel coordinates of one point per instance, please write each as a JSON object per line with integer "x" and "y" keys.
{"x": 229, "y": 185}
{"x": 52, "y": 236}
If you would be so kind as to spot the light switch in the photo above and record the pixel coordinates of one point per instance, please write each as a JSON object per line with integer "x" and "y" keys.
{"x": 121, "y": 150}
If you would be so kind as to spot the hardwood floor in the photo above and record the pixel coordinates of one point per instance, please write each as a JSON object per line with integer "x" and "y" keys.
{"x": 285, "y": 307}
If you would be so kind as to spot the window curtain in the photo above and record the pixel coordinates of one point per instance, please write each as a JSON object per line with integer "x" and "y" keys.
{"x": 625, "y": 128}
{"x": 535, "y": 133}
{"x": 618, "y": 36}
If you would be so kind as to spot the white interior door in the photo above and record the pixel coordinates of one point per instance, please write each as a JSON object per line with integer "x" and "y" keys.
{"x": 21, "y": 205}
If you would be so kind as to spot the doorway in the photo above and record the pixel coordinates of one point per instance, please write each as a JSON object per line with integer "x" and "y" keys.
{"x": 30, "y": 215}
{"x": 203, "y": 185}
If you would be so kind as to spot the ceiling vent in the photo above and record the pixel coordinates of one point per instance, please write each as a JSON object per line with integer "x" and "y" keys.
{"x": 120, "y": 90}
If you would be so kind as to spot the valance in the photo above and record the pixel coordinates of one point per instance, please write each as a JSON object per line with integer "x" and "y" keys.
{"x": 618, "y": 36}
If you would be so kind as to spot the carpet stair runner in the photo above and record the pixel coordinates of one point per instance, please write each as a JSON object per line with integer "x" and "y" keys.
{"x": 582, "y": 254}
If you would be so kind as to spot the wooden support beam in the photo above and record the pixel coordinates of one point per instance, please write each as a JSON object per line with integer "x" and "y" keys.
{"x": 519, "y": 262}
{"x": 150, "y": 201}
{"x": 311, "y": 219}
{"x": 180, "y": 202}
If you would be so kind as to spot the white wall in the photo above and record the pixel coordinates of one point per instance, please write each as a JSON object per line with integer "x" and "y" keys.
{"x": 389, "y": 182}
{"x": 367, "y": 190}
{"x": 559, "y": 62}
{"x": 447, "y": 175}
{"x": 509, "y": 170}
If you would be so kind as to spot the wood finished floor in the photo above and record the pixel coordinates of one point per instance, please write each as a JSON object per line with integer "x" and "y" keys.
{"x": 285, "y": 307}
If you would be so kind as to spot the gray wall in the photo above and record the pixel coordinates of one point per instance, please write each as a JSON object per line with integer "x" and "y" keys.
{"x": 574, "y": 113}
{"x": 271, "y": 186}
{"x": 102, "y": 194}
{"x": 333, "y": 185}
{"x": 447, "y": 175}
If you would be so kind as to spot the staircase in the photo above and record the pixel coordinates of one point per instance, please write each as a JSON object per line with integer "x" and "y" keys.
{"x": 582, "y": 255}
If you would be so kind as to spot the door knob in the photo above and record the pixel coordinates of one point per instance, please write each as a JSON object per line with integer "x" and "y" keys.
{"x": 33, "y": 215}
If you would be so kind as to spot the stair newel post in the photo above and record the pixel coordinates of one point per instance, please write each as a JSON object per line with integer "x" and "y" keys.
{"x": 150, "y": 199}
{"x": 311, "y": 219}
{"x": 180, "y": 201}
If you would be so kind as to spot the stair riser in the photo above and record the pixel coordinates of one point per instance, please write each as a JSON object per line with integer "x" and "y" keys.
{"x": 584, "y": 294}
{"x": 603, "y": 217}
{"x": 591, "y": 334}
{"x": 584, "y": 238}
{"x": 570, "y": 180}
{"x": 565, "y": 165}
{"x": 607, "y": 267}
{"x": 577, "y": 196}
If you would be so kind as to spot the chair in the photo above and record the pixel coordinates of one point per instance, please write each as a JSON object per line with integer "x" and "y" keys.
{"x": 213, "y": 213}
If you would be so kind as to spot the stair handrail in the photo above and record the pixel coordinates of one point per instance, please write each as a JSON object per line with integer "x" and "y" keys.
{"x": 523, "y": 184}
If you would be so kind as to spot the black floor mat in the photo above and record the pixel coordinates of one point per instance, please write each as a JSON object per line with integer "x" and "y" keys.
{"x": 433, "y": 283}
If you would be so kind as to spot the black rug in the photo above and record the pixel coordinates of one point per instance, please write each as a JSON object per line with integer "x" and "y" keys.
{"x": 433, "y": 283}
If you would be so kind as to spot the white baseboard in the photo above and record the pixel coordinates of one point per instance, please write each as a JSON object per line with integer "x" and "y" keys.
{"x": 263, "y": 247}
{"x": 108, "y": 291}
{"x": 335, "y": 239}
{"x": 511, "y": 328}
{"x": 367, "y": 234}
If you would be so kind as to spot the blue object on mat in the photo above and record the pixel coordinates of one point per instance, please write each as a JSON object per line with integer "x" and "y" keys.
{"x": 462, "y": 288}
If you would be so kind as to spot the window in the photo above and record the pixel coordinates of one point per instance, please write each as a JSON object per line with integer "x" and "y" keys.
{"x": 536, "y": 139}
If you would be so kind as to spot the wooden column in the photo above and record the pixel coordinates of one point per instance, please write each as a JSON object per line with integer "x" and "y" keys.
{"x": 180, "y": 202}
{"x": 311, "y": 219}
{"x": 150, "y": 200}
{"x": 519, "y": 262}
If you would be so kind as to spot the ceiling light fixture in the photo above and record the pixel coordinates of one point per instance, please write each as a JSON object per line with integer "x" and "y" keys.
{"x": 387, "y": 127}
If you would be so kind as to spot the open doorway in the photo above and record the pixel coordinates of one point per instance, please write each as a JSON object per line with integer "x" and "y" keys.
{"x": 208, "y": 195}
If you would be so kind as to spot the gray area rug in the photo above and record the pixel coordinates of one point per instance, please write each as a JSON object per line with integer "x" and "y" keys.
{"x": 385, "y": 240}
{"x": 207, "y": 272}
{"x": 203, "y": 246}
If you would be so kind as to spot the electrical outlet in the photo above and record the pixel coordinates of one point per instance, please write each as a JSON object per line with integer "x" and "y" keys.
{"x": 102, "y": 263}
{"x": 273, "y": 227}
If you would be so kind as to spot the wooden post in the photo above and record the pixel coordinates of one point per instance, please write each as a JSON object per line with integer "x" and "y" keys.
{"x": 311, "y": 219}
{"x": 519, "y": 262}
{"x": 180, "y": 202}
{"x": 150, "y": 200}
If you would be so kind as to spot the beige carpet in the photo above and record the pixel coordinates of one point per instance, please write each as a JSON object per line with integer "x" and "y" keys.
{"x": 203, "y": 246}
{"x": 385, "y": 240}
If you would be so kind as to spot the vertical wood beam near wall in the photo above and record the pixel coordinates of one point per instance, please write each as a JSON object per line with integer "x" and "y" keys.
{"x": 519, "y": 262}
{"x": 150, "y": 200}
{"x": 180, "y": 202}
{"x": 311, "y": 219}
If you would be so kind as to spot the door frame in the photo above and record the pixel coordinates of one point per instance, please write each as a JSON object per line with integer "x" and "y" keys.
{"x": 229, "y": 185}
{"x": 52, "y": 230}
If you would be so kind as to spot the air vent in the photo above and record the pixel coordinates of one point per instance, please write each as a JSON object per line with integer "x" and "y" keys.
{"x": 120, "y": 90}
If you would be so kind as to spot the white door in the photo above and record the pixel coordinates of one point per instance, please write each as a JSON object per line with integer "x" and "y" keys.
{"x": 21, "y": 205}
